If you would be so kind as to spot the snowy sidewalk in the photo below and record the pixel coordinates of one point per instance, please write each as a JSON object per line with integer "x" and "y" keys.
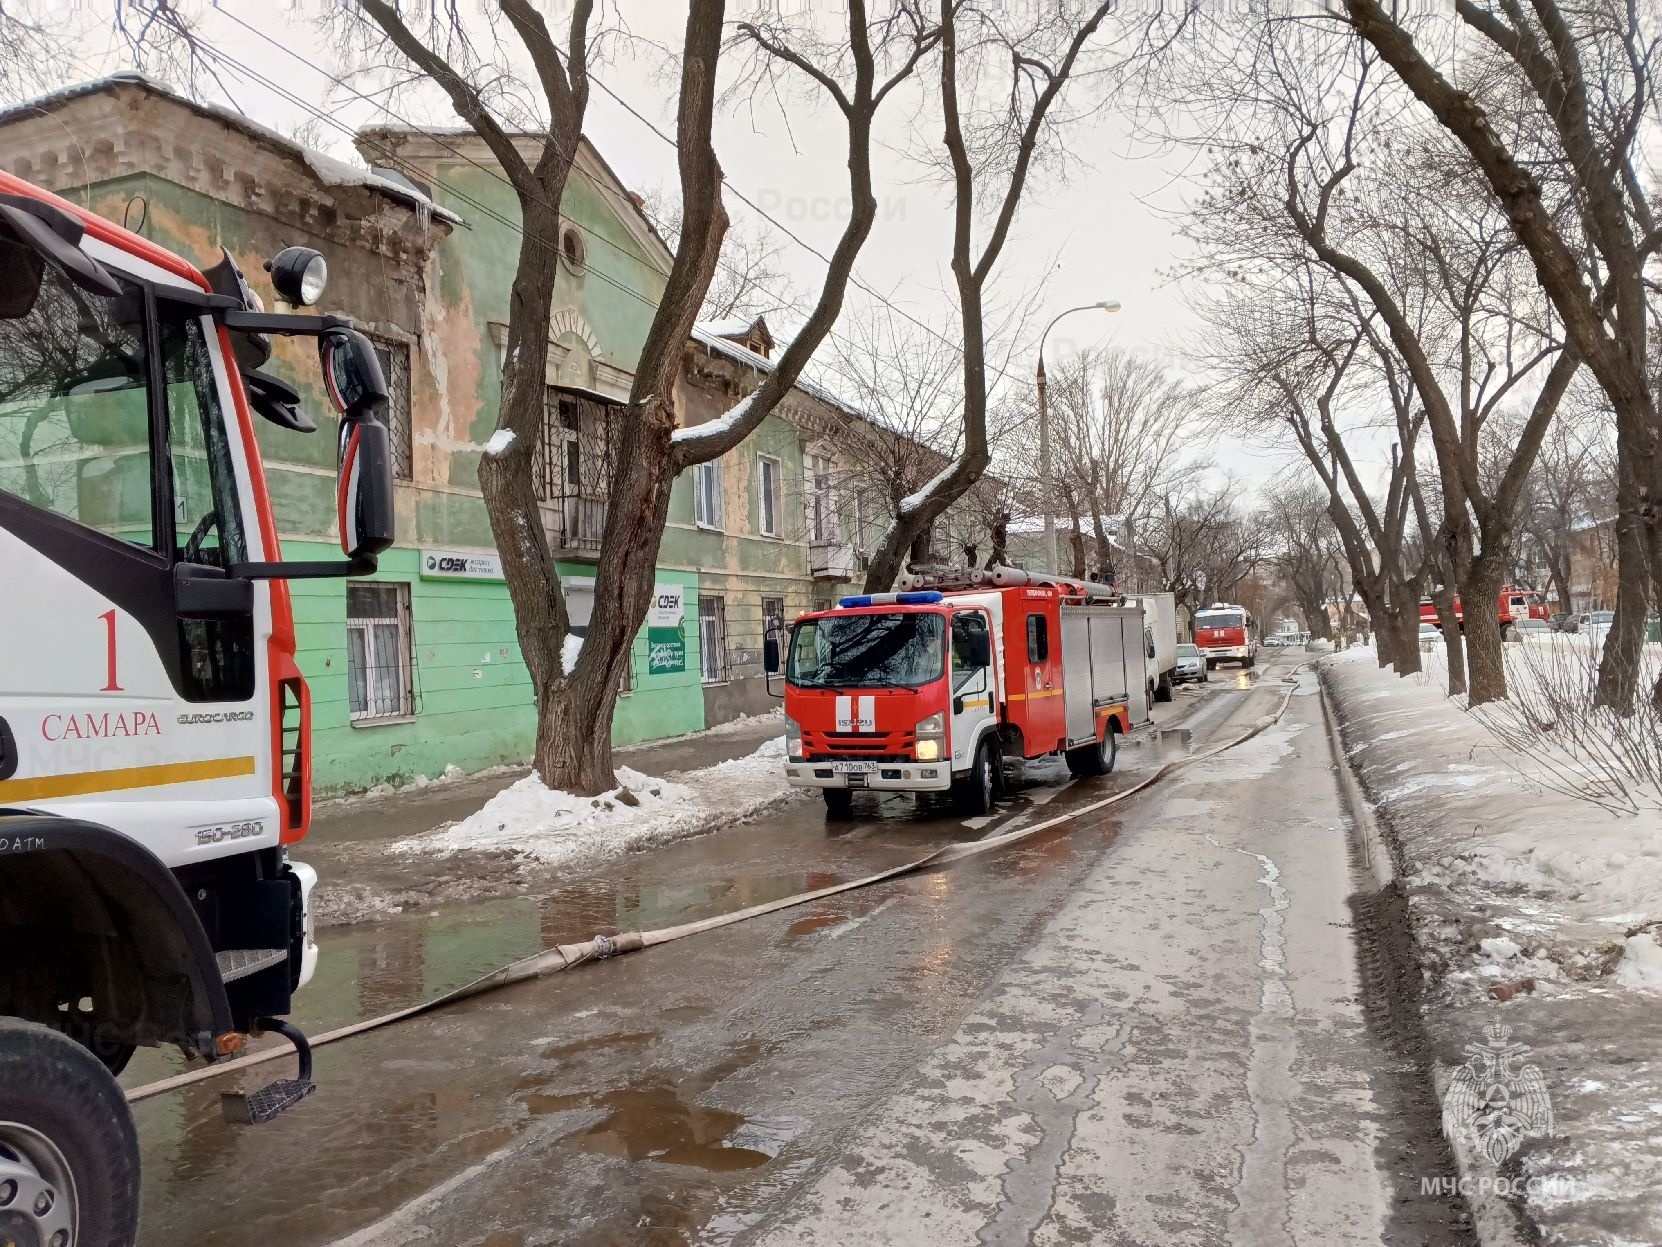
{"x": 1536, "y": 902}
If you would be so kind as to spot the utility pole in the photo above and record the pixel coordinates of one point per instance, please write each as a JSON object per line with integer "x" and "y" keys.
{"x": 1047, "y": 483}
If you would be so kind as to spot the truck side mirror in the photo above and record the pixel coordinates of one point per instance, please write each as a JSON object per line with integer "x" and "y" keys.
{"x": 353, "y": 374}
{"x": 770, "y": 653}
{"x": 979, "y": 649}
{"x": 364, "y": 491}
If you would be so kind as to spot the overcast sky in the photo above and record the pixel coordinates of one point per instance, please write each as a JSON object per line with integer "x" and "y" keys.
{"x": 1103, "y": 233}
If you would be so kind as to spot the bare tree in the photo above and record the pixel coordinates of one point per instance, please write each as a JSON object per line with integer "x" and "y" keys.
{"x": 1204, "y": 543}
{"x": 993, "y": 133}
{"x": 1122, "y": 423}
{"x": 751, "y": 278}
{"x": 855, "y": 73}
{"x": 1304, "y": 548}
{"x": 1581, "y": 208}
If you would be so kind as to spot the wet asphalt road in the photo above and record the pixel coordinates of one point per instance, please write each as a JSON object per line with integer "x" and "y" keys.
{"x": 1153, "y": 1027}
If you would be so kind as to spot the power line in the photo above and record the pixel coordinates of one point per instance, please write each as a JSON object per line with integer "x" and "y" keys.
{"x": 483, "y": 209}
{"x": 650, "y": 125}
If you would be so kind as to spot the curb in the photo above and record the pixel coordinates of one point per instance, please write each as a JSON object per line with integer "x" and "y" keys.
{"x": 1496, "y": 1221}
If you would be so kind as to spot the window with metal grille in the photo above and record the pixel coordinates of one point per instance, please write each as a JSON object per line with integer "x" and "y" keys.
{"x": 378, "y": 654}
{"x": 395, "y": 366}
{"x": 707, "y": 494}
{"x": 712, "y": 639}
{"x": 767, "y": 479}
{"x": 773, "y": 623}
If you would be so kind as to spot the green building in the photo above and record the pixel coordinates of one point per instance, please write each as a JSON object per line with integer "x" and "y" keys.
{"x": 417, "y": 669}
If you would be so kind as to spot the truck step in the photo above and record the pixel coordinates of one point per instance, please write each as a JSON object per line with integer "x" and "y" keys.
{"x": 258, "y": 1107}
{"x": 239, "y": 963}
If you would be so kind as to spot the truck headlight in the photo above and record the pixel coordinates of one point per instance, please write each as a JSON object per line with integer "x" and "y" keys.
{"x": 931, "y": 738}
{"x": 793, "y": 739}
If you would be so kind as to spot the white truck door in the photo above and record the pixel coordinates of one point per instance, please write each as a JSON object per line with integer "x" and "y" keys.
{"x": 111, "y": 478}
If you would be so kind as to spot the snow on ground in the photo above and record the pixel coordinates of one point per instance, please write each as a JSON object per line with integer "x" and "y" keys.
{"x": 559, "y": 828}
{"x": 1518, "y": 830}
{"x": 1527, "y": 853}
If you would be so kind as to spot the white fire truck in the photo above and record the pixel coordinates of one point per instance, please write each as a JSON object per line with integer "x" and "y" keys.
{"x": 931, "y": 689}
{"x": 154, "y": 729}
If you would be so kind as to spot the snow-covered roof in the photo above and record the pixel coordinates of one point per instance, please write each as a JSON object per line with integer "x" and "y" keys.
{"x": 329, "y": 170}
{"x": 704, "y": 335}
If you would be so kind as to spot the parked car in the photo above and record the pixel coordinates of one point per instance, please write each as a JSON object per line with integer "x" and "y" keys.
{"x": 1430, "y": 637}
{"x": 1273, "y": 642}
{"x": 1563, "y": 621}
{"x": 1597, "y": 623}
{"x": 1524, "y": 629}
{"x": 1191, "y": 666}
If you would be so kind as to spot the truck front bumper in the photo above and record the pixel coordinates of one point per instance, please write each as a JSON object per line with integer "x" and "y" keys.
{"x": 882, "y": 776}
{"x": 1232, "y": 651}
{"x": 308, "y": 940}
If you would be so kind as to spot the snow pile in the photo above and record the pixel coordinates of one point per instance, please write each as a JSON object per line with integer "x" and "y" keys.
{"x": 560, "y": 828}
{"x": 500, "y": 441}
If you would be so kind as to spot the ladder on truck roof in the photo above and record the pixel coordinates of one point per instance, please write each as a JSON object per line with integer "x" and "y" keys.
{"x": 946, "y": 578}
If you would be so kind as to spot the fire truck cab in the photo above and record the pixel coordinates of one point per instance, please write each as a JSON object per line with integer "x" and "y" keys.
{"x": 154, "y": 727}
{"x": 932, "y": 689}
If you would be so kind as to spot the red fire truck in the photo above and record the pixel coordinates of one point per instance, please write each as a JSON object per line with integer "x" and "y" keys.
{"x": 931, "y": 689}
{"x": 1225, "y": 632}
{"x": 1515, "y": 602}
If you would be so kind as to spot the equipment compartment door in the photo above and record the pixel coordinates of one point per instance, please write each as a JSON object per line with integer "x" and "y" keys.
{"x": 1076, "y": 674}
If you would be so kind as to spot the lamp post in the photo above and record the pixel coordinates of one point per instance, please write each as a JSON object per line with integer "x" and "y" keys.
{"x": 1047, "y": 486}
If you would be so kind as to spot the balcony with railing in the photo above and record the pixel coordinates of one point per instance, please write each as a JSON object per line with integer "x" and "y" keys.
{"x": 573, "y": 473}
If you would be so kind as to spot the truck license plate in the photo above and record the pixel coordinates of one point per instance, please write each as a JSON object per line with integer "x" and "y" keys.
{"x": 854, "y": 768}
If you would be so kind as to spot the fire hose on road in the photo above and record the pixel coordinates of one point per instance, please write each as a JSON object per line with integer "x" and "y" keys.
{"x": 602, "y": 947}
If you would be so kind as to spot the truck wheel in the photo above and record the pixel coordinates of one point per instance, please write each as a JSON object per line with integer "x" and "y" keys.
{"x": 1163, "y": 690}
{"x": 69, "y": 1159}
{"x": 1211, "y": 664}
{"x": 977, "y": 789}
{"x": 1098, "y": 758}
{"x": 839, "y": 803}
{"x": 1247, "y": 664}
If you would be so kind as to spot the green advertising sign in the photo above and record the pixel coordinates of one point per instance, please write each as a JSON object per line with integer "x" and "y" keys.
{"x": 666, "y": 651}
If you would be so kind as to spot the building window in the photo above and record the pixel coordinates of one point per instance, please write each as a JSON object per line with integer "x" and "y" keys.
{"x": 572, "y": 249}
{"x": 773, "y": 624}
{"x": 378, "y": 652}
{"x": 707, "y": 494}
{"x": 767, "y": 471}
{"x": 395, "y": 366}
{"x": 822, "y": 515}
{"x": 712, "y": 639}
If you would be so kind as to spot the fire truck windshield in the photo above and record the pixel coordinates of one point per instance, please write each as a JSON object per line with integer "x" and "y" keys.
{"x": 888, "y": 650}
{"x": 1219, "y": 619}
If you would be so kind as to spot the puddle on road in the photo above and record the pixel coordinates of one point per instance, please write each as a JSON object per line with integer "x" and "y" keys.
{"x": 663, "y": 1121}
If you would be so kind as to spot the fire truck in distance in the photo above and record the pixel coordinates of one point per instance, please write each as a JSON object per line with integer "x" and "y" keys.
{"x": 1225, "y": 632}
{"x": 1514, "y": 603}
{"x": 931, "y": 689}
{"x": 155, "y": 754}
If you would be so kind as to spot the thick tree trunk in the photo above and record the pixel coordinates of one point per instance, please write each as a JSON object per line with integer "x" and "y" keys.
{"x": 1485, "y": 659}
{"x": 1454, "y": 646}
{"x": 1623, "y": 644}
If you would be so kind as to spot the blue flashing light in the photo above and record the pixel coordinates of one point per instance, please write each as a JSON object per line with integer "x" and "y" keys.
{"x": 862, "y": 600}
{"x": 926, "y": 597}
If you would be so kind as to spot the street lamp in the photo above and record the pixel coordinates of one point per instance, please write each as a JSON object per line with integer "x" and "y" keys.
{"x": 1047, "y": 487}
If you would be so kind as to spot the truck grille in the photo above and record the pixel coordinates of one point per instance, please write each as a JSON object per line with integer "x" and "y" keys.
{"x": 858, "y": 746}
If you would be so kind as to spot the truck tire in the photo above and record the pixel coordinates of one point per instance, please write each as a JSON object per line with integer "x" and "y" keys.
{"x": 1096, "y": 759}
{"x": 69, "y": 1158}
{"x": 977, "y": 790}
{"x": 839, "y": 803}
{"x": 1163, "y": 690}
{"x": 1247, "y": 664}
